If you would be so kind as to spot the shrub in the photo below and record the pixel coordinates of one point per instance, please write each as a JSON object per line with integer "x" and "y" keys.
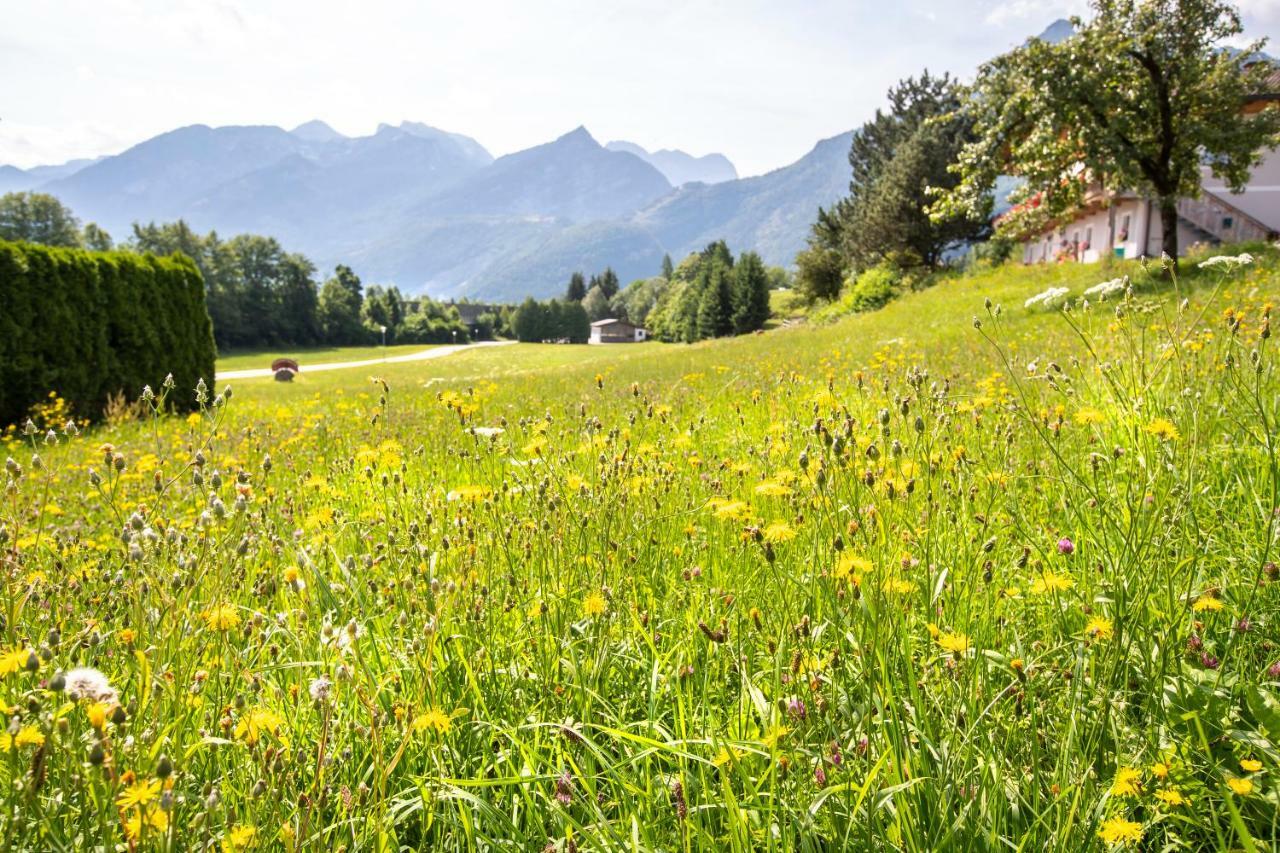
{"x": 89, "y": 325}
{"x": 874, "y": 288}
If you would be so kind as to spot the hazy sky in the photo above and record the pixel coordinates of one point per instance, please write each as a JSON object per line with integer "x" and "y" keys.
{"x": 759, "y": 80}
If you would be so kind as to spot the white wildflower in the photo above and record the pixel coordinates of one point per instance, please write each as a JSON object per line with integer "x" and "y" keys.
{"x": 86, "y": 683}
{"x": 320, "y": 689}
{"x": 1106, "y": 288}
{"x": 1228, "y": 261}
{"x": 487, "y": 432}
{"x": 1048, "y": 297}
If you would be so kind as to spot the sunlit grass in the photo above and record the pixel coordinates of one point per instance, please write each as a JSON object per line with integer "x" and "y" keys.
{"x": 906, "y": 581}
{"x": 254, "y": 359}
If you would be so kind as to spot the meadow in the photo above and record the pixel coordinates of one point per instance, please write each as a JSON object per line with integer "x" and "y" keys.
{"x": 959, "y": 574}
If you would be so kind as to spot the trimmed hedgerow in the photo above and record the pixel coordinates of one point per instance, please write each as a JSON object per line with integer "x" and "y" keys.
{"x": 89, "y": 325}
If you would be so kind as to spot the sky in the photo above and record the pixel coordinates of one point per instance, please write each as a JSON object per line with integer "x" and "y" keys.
{"x": 757, "y": 80}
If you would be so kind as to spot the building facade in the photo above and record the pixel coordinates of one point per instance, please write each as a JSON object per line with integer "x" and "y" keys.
{"x": 613, "y": 331}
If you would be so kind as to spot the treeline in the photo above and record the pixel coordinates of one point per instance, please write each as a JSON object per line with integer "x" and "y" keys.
{"x": 92, "y": 325}
{"x": 259, "y": 294}
{"x": 552, "y": 320}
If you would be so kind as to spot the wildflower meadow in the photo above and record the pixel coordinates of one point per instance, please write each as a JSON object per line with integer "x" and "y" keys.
{"x": 993, "y": 567}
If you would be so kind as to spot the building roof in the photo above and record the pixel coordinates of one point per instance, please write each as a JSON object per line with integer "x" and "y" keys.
{"x": 612, "y": 321}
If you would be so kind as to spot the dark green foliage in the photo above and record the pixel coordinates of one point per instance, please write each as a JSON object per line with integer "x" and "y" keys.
{"x": 340, "y": 301}
{"x": 667, "y": 268}
{"x": 258, "y": 294}
{"x": 750, "y": 294}
{"x": 707, "y": 296}
{"x": 898, "y": 159}
{"x": 609, "y": 282}
{"x": 577, "y": 288}
{"x": 596, "y": 304}
{"x": 553, "y": 320}
{"x": 95, "y": 238}
{"x": 38, "y": 218}
{"x": 89, "y": 325}
{"x": 819, "y": 273}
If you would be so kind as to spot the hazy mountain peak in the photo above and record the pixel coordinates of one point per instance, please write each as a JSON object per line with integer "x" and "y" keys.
{"x": 680, "y": 167}
{"x": 316, "y": 131}
{"x": 470, "y": 147}
{"x": 1057, "y": 32}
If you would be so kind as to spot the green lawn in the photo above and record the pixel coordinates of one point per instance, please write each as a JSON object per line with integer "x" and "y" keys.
{"x": 957, "y": 574}
{"x": 249, "y": 359}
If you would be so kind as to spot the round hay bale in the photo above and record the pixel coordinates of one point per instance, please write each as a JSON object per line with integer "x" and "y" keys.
{"x": 284, "y": 374}
{"x": 285, "y": 362}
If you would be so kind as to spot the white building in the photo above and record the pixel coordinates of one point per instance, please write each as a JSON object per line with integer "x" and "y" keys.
{"x": 1127, "y": 225}
{"x": 613, "y": 331}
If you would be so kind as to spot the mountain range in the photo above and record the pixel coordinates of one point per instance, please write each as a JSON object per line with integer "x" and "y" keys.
{"x": 434, "y": 212}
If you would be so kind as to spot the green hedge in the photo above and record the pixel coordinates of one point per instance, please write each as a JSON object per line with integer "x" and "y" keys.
{"x": 88, "y": 325}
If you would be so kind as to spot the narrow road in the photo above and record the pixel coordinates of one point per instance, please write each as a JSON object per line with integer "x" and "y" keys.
{"x": 435, "y": 352}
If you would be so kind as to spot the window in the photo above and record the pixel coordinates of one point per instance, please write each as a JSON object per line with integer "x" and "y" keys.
{"x": 1227, "y": 222}
{"x": 1088, "y": 236}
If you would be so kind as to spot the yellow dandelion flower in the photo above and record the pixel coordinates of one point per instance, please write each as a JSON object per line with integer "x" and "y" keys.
{"x": 1051, "y": 582}
{"x": 1119, "y": 831}
{"x": 1162, "y": 429}
{"x": 1240, "y": 787}
{"x": 221, "y": 617}
{"x": 594, "y": 605}
{"x": 1250, "y": 765}
{"x": 1207, "y": 603}
{"x": 13, "y": 660}
{"x": 955, "y": 643}
{"x": 778, "y": 532}
{"x": 897, "y": 586}
{"x": 1171, "y": 797}
{"x": 1099, "y": 628}
{"x": 27, "y": 736}
{"x": 239, "y": 838}
{"x": 139, "y": 793}
{"x": 1128, "y": 783}
{"x": 432, "y": 718}
{"x": 257, "y": 722}
{"x": 97, "y": 713}
{"x": 153, "y": 819}
{"x": 1160, "y": 770}
{"x": 772, "y": 489}
{"x": 1089, "y": 416}
{"x": 851, "y": 568}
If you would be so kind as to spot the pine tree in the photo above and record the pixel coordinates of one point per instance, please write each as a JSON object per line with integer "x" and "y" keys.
{"x": 715, "y": 303}
{"x": 577, "y": 288}
{"x": 609, "y": 282}
{"x": 667, "y": 268}
{"x": 750, "y": 291}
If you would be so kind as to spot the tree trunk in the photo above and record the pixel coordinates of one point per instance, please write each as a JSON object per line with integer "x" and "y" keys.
{"x": 1169, "y": 226}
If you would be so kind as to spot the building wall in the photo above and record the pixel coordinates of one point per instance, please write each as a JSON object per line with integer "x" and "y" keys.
{"x": 1138, "y": 232}
{"x": 1261, "y": 198}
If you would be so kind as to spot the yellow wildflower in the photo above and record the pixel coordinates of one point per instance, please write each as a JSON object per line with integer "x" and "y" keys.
{"x": 1099, "y": 628}
{"x": 1163, "y": 429}
{"x": 432, "y": 718}
{"x": 1238, "y": 786}
{"x": 779, "y": 532}
{"x": 1118, "y": 831}
{"x": 594, "y": 605}
{"x": 1208, "y": 603}
{"x": 239, "y": 838}
{"x": 139, "y": 793}
{"x": 1171, "y": 797}
{"x": 1128, "y": 783}
{"x": 955, "y": 643}
{"x": 257, "y": 722}
{"x": 1051, "y": 582}
{"x": 1250, "y": 765}
{"x": 221, "y": 617}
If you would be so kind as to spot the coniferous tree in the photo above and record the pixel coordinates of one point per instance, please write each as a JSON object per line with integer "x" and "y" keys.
{"x": 609, "y": 282}
{"x": 667, "y": 269}
{"x": 750, "y": 292}
{"x": 577, "y": 288}
{"x": 340, "y": 302}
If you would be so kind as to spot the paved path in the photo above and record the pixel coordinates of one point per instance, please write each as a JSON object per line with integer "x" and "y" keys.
{"x": 434, "y": 352}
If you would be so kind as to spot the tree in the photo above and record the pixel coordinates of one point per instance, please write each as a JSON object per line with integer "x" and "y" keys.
{"x": 819, "y": 272}
{"x": 715, "y": 302}
{"x": 95, "y": 238}
{"x": 609, "y": 282}
{"x": 667, "y": 268}
{"x": 596, "y": 304}
{"x": 38, "y": 218}
{"x": 750, "y": 294}
{"x": 1140, "y": 97}
{"x": 530, "y": 321}
{"x": 577, "y": 288}
{"x": 898, "y": 159}
{"x": 341, "y": 298}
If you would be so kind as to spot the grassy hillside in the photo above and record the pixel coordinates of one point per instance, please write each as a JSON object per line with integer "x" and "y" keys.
{"x": 900, "y": 582}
